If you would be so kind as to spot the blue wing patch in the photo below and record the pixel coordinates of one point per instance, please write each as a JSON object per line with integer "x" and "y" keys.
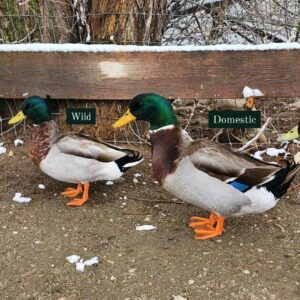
{"x": 239, "y": 186}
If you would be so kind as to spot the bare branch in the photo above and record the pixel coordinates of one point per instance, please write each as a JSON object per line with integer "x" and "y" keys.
{"x": 263, "y": 128}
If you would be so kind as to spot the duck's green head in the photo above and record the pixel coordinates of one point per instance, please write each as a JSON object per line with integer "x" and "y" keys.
{"x": 290, "y": 135}
{"x": 35, "y": 108}
{"x": 150, "y": 107}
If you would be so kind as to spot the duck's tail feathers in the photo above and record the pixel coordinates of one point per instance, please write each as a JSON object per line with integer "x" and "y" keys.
{"x": 283, "y": 178}
{"x": 132, "y": 158}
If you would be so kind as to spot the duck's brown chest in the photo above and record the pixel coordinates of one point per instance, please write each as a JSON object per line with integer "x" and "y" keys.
{"x": 42, "y": 136}
{"x": 165, "y": 151}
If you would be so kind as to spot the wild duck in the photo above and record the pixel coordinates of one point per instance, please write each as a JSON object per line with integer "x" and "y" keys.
{"x": 72, "y": 158}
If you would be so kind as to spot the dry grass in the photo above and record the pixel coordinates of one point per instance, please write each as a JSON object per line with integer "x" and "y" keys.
{"x": 192, "y": 114}
{"x": 107, "y": 112}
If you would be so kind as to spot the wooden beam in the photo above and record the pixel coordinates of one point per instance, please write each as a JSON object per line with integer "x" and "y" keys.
{"x": 122, "y": 75}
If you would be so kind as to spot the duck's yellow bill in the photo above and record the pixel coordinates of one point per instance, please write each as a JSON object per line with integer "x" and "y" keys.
{"x": 125, "y": 119}
{"x": 289, "y": 136}
{"x": 17, "y": 118}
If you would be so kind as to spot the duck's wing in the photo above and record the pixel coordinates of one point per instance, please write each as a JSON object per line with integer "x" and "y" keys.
{"x": 87, "y": 147}
{"x": 221, "y": 162}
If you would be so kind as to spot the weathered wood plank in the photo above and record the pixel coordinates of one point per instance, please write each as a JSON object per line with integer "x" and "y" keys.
{"x": 122, "y": 75}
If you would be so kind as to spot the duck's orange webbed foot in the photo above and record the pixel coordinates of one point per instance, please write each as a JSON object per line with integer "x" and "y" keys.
{"x": 85, "y": 197}
{"x": 204, "y": 228}
{"x": 69, "y": 192}
{"x": 199, "y": 221}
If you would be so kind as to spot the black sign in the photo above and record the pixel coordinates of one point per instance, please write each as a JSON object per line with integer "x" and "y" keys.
{"x": 81, "y": 116}
{"x": 233, "y": 119}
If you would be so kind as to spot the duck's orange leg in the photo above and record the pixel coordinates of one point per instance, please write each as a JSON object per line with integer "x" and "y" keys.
{"x": 206, "y": 230}
{"x": 199, "y": 221}
{"x": 85, "y": 196}
{"x": 69, "y": 192}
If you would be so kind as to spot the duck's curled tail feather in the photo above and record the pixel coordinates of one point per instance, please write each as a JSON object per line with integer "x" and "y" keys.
{"x": 131, "y": 159}
{"x": 283, "y": 178}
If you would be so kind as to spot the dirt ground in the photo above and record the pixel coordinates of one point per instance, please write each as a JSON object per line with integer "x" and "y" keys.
{"x": 258, "y": 257}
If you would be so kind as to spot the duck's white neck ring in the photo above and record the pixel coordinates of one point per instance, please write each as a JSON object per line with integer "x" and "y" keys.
{"x": 35, "y": 125}
{"x": 162, "y": 128}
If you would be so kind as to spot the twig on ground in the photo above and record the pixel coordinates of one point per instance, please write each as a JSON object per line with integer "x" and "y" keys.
{"x": 263, "y": 128}
{"x": 138, "y": 136}
{"x": 240, "y": 140}
{"x": 218, "y": 133}
{"x": 190, "y": 117}
{"x": 156, "y": 201}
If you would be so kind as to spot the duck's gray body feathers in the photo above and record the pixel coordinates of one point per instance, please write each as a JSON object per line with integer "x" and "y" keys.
{"x": 199, "y": 173}
{"x": 75, "y": 158}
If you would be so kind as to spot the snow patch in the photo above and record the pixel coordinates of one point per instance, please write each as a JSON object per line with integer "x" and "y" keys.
{"x": 257, "y": 155}
{"x": 248, "y": 92}
{"x": 178, "y": 297}
{"x": 18, "y": 198}
{"x": 2, "y": 149}
{"x": 274, "y": 152}
{"x": 72, "y": 259}
{"x": 18, "y": 142}
{"x": 41, "y": 186}
{"x": 270, "y": 152}
{"x": 210, "y": 1}
{"x": 79, "y": 266}
{"x": 92, "y": 261}
{"x": 80, "y": 263}
{"x": 109, "y": 182}
{"x": 67, "y": 47}
{"x": 145, "y": 228}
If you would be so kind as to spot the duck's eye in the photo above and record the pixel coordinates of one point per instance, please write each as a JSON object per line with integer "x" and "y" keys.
{"x": 137, "y": 105}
